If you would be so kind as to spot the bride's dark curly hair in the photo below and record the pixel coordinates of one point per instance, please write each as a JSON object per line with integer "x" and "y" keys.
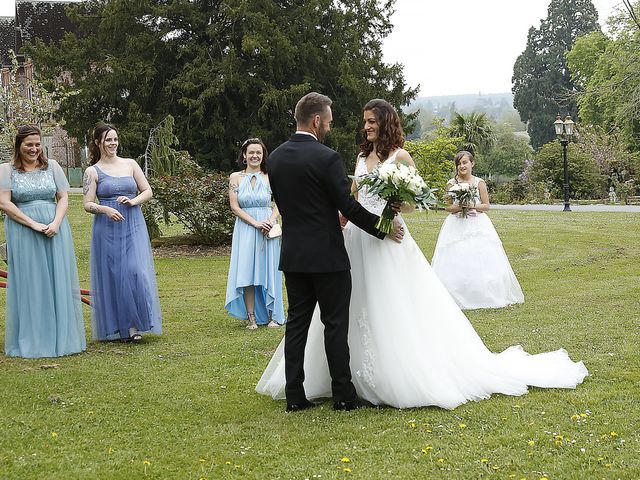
{"x": 390, "y": 134}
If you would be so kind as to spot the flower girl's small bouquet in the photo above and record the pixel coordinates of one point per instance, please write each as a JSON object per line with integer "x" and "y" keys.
{"x": 397, "y": 182}
{"x": 465, "y": 194}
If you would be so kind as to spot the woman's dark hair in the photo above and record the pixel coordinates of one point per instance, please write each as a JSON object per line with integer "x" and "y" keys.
{"x": 99, "y": 132}
{"x": 390, "y": 134}
{"x": 23, "y": 132}
{"x": 243, "y": 150}
{"x": 458, "y": 158}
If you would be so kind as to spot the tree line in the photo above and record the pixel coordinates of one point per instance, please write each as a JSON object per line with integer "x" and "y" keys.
{"x": 224, "y": 69}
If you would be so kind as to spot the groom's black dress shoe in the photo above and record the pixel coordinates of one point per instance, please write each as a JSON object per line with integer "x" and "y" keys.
{"x": 353, "y": 404}
{"x": 296, "y": 407}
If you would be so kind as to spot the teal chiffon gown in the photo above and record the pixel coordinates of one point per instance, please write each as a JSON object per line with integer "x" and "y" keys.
{"x": 44, "y": 313}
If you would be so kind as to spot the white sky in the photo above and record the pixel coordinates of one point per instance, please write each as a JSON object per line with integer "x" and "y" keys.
{"x": 465, "y": 46}
{"x": 457, "y": 46}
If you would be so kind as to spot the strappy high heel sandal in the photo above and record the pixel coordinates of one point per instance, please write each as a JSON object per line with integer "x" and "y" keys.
{"x": 251, "y": 318}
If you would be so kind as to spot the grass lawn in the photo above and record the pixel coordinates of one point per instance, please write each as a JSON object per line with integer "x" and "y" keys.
{"x": 183, "y": 406}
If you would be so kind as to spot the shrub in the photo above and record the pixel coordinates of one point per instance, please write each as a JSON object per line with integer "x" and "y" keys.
{"x": 199, "y": 202}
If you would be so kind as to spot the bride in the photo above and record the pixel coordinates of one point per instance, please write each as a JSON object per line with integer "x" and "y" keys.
{"x": 410, "y": 343}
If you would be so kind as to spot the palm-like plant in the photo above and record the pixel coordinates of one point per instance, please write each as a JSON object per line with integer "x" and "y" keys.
{"x": 475, "y": 129}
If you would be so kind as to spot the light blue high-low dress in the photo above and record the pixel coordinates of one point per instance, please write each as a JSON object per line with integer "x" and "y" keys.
{"x": 44, "y": 313}
{"x": 254, "y": 257}
{"x": 123, "y": 278}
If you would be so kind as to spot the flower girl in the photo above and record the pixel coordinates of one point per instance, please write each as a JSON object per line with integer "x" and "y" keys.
{"x": 469, "y": 258}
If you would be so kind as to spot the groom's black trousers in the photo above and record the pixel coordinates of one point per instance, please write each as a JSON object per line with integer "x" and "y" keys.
{"x": 332, "y": 292}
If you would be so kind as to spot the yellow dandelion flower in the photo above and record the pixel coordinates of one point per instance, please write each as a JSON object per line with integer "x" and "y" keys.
{"x": 462, "y": 425}
{"x": 347, "y": 469}
{"x": 345, "y": 460}
{"x": 427, "y": 449}
{"x": 227, "y": 462}
{"x": 613, "y": 434}
{"x": 575, "y": 416}
{"x": 202, "y": 478}
{"x": 600, "y": 459}
{"x": 495, "y": 467}
{"x": 54, "y": 434}
{"x": 146, "y": 462}
{"x": 441, "y": 460}
{"x": 202, "y": 460}
{"x": 583, "y": 415}
{"x": 110, "y": 451}
{"x": 428, "y": 431}
{"x": 531, "y": 443}
{"x": 608, "y": 465}
{"x": 484, "y": 460}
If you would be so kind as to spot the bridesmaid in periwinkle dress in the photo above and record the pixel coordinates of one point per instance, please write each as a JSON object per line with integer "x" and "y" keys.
{"x": 44, "y": 313}
{"x": 123, "y": 278}
{"x": 254, "y": 284}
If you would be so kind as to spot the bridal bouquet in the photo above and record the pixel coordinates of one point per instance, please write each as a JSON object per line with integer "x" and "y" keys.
{"x": 397, "y": 182}
{"x": 465, "y": 194}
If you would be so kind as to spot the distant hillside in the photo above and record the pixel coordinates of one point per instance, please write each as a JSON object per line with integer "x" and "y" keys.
{"x": 497, "y": 106}
{"x": 467, "y": 103}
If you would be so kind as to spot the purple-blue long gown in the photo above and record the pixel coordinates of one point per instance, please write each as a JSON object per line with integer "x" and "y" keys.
{"x": 123, "y": 278}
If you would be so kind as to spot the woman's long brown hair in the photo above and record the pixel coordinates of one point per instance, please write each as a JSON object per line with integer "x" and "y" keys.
{"x": 390, "y": 134}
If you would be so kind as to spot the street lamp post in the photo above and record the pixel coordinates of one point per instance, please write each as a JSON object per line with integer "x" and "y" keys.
{"x": 564, "y": 130}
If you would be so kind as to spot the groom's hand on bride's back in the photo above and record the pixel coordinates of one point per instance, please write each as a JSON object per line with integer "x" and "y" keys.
{"x": 398, "y": 231}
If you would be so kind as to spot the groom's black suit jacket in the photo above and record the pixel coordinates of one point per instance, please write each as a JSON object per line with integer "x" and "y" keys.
{"x": 309, "y": 187}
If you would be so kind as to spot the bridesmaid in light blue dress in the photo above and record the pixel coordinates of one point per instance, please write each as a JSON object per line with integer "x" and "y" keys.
{"x": 254, "y": 284}
{"x": 123, "y": 278}
{"x": 44, "y": 313}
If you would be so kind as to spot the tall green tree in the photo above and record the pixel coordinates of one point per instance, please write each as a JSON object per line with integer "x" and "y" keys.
{"x": 225, "y": 69}
{"x": 542, "y": 82}
{"x": 608, "y": 70}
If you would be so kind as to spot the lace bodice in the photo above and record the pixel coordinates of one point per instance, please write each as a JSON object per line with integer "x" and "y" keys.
{"x": 34, "y": 185}
{"x": 371, "y": 202}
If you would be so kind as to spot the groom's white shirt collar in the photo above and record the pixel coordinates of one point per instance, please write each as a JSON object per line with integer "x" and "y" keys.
{"x": 306, "y": 133}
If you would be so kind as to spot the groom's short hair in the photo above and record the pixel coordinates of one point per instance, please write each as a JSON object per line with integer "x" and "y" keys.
{"x": 309, "y": 106}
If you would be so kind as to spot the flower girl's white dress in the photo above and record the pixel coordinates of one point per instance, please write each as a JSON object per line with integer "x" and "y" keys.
{"x": 410, "y": 343}
{"x": 471, "y": 263}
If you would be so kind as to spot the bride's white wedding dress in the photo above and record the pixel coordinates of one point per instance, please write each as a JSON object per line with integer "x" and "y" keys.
{"x": 410, "y": 344}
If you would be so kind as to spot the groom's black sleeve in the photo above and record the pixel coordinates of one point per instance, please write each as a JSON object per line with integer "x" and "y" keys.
{"x": 339, "y": 188}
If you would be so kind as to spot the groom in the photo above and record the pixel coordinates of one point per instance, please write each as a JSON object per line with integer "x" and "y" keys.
{"x": 309, "y": 186}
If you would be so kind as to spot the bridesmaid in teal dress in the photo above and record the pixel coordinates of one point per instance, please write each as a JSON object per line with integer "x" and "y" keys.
{"x": 254, "y": 284}
{"x": 44, "y": 313}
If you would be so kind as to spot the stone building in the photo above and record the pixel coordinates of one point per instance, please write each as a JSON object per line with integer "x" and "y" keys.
{"x": 44, "y": 20}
